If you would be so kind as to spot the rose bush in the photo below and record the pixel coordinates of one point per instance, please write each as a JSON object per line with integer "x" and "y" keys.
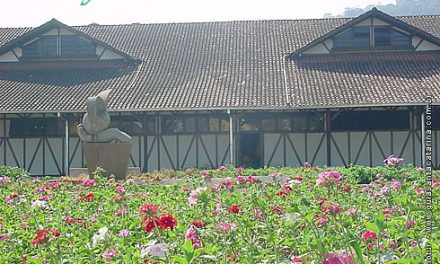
{"x": 304, "y": 215}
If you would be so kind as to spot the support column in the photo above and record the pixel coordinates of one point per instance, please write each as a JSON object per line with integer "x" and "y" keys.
{"x": 66, "y": 147}
{"x": 4, "y": 139}
{"x": 328, "y": 137}
{"x": 231, "y": 138}
{"x": 422, "y": 127}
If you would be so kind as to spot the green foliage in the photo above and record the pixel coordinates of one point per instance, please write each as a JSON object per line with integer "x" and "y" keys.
{"x": 269, "y": 227}
{"x": 13, "y": 172}
{"x": 353, "y": 173}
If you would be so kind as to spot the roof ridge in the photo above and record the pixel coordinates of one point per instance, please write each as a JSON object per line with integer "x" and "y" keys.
{"x": 95, "y": 24}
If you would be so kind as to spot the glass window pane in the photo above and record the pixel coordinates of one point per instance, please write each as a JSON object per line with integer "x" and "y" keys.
{"x": 36, "y": 127}
{"x": 179, "y": 125}
{"x": 268, "y": 124}
{"x": 224, "y": 124}
{"x": 316, "y": 122}
{"x": 382, "y": 37}
{"x": 190, "y": 124}
{"x": 371, "y": 120}
{"x": 284, "y": 123}
{"x": 343, "y": 40}
{"x": 73, "y": 128}
{"x": 49, "y": 46}
{"x": 249, "y": 124}
{"x": 167, "y": 125}
{"x": 31, "y": 50}
{"x": 213, "y": 124}
{"x": 68, "y": 45}
{"x": 400, "y": 39}
{"x": 203, "y": 124}
{"x": 300, "y": 121}
{"x": 151, "y": 125}
{"x": 361, "y": 37}
{"x": 86, "y": 47}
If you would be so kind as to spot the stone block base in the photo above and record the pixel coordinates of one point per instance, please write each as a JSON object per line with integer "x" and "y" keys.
{"x": 112, "y": 157}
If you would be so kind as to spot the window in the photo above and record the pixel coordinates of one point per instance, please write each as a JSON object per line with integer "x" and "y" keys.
{"x": 128, "y": 124}
{"x": 86, "y": 47}
{"x": 68, "y": 45}
{"x": 268, "y": 124}
{"x": 187, "y": 124}
{"x": 360, "y": 38}
{"x": 371, "y": 120}
{"x": 284, "y": 123}
{"x": 250, "y": 123}
{"x": 150, "y": 126}
{"x": 49, "y": 46}
{"x": 382, "y": 37}
{"x": 297, "y": 122}
{"x": 343, "y": 40}
{"x": 32, "y": 49}
{"x": 59, "y": 46}
{"x": 36, "y": 127}
{"x": 400, "y": 39}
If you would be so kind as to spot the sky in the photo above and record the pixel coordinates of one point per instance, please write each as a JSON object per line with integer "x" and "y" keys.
{"x": 32, "y": 13}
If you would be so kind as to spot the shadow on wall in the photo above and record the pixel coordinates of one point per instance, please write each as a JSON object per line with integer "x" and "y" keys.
{"x": 64, "y": 74}
{"x": 407, "y": 66}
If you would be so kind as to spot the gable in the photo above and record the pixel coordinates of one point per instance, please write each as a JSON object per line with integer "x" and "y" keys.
{"x": 373, "y": 31}
{"x": 56, "y": 41}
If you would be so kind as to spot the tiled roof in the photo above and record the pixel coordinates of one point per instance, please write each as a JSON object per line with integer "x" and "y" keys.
{"x": 213, "y": 65}
{"x": 364, "y": 79}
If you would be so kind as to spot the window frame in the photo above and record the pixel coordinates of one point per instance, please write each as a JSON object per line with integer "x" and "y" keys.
{"x": 59, "y": 49}
{"x": 372, "y": 46}
{"x": 350, "y": 121}
{"x": 50, "y": 127}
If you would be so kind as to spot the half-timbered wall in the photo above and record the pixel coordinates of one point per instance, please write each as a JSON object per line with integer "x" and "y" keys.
{"x": 39, "y": 155}
{"x": 155, "y": 149}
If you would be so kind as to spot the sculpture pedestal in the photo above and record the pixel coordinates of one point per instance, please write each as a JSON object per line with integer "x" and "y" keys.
{"x": 112, "y": 157}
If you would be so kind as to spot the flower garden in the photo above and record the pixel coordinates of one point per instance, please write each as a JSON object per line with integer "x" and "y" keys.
{"x": 295, "y": 215}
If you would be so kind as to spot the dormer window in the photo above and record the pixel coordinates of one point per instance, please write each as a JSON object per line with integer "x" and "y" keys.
{"x": 361, "y": 38}
{"x": 53, "y": 47}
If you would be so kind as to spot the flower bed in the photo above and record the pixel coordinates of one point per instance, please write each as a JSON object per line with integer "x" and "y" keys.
{"x": 306, "y": 215}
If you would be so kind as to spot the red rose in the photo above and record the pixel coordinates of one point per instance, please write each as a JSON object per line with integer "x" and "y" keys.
{"x": 150, "y": 224}
{"x": 88, "y": 197}
{"x": 369, "y": 235}
{"x": 277, "y": 209}
{"x": 167, "y": 221}
{"x": 148, "y": 209}
{"x": 285, "y": 190}
{"x": 42, "y": 236}
{"x": 234, "y": 209}
{"x": 197, "y": 223}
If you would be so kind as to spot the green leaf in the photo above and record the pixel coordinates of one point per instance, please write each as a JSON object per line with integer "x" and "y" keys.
{"x": 357, "y": 248}
{"x": 180, "y": 260}
{"x": 379, "y": 221}
{"x": 372, "y": 227}
{"x": 404, "y": 261}
{"x": 211, "y": 257}
{"x": 188, "y": 246}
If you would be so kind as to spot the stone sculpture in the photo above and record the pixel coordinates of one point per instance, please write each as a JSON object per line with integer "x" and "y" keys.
{"x": 95, "y": 126}
{"x": 104, "y": 147}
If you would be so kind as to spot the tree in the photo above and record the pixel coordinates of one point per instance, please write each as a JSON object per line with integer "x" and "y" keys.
{"x": 401, "y": 8}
